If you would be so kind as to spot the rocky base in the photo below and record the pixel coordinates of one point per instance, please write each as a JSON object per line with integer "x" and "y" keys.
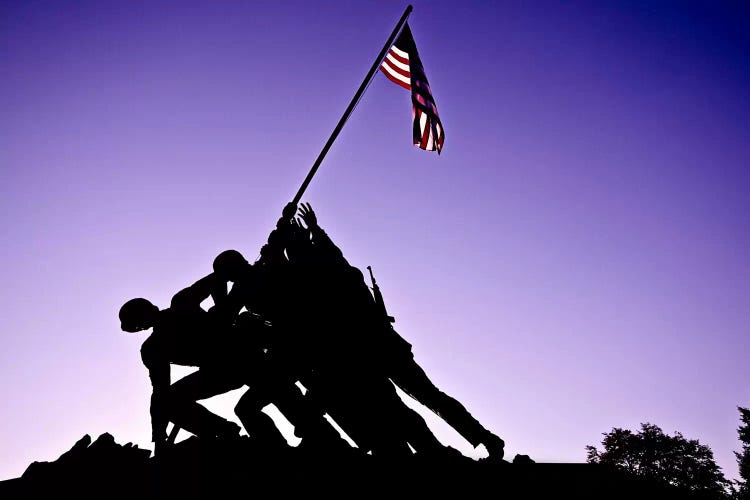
{"x": 240, "y": 469}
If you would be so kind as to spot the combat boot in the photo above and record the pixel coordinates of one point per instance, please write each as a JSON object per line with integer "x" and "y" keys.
{"x": 495, "y": 448}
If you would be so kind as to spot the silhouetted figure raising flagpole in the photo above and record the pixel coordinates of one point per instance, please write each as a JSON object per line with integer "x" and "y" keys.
{"x": 304, "y": 344}
{"x": 385, "y": 351}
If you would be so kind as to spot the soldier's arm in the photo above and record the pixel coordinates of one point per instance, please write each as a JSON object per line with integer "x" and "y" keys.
{"x": 321, "y": 238}
{"x": 218, "y": 289}
{"x": 199, "y": 291}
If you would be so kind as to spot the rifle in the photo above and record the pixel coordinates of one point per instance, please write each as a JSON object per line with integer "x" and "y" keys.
{"x": 394, "y": 340}
{"x": 379, "y": 299}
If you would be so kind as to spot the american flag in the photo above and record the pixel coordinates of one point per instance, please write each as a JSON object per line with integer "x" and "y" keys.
{"x": 403, "y": 67}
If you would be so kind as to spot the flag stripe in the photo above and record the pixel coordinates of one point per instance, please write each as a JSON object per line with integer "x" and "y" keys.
{"x": 404, "y": 71}
{"x": 396, "y": 78}
{"x": 397, "y": 62}
{"x": 424, "y": 129}
{"x": 400, "y": 53}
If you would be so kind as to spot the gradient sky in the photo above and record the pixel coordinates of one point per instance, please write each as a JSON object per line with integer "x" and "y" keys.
{"x": 575, "y": 260}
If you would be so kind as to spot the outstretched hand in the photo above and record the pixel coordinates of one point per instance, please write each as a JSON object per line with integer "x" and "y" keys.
{"x": 307, "y": 215}
{"x": 297, "y": 226}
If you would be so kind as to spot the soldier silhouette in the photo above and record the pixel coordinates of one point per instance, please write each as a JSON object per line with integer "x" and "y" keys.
{"x": 317, "y": 338}
{"x": 265, "y": 291}
{"x": 181, "y": 335}
{"x": 386, "y": 350}
{"x": 185, "y": 334}
{"x": 354, "y": 398}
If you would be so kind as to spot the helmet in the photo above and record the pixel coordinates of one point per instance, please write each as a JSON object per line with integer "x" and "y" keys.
{"x": 228, "y": 264}
{"x": 136, "y": 315}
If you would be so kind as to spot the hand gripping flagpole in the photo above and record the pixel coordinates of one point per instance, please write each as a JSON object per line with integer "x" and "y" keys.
{"x": 352, "y": 104}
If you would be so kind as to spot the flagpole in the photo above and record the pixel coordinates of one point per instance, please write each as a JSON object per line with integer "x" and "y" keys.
{"x": 352, "y": 104}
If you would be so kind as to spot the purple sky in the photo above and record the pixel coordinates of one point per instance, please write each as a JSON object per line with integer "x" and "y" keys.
{"x": 575, "y": 260}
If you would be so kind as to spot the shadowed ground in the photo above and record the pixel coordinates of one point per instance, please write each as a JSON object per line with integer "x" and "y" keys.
{"x": 238, "y": 468}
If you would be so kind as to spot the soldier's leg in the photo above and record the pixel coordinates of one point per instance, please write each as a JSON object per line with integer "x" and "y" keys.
{"x": 344, "y": 403}
{"x": 417, "y": 433}
{"x": 275, "y": 384}
{"x": 381, "y": 418}
{"x": 412, "y": 379}
{"x": 365, "y": 406}
{"x": 258, "y": 425}
{"x": 390, "y": 421}
{"x": 184, "y": 411}
{"x": 307, "y": 415}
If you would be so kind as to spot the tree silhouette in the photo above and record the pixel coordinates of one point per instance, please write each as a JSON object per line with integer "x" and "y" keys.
{"x": 743, "y": 457}
{"x": 675, "y": 460}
